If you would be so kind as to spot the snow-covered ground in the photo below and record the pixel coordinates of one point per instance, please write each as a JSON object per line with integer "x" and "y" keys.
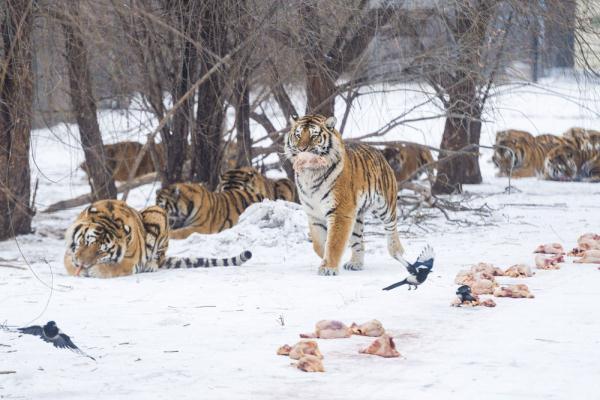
{"x": 212, "y": 333}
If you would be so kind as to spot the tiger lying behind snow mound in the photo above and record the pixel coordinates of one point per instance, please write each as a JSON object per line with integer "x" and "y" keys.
{"x": 110, "y": 239}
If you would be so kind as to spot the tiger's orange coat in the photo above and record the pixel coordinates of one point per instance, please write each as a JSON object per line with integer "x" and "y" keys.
{"x": 336, "y": 197}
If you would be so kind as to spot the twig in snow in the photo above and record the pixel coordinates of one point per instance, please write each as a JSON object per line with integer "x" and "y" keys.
{"x": 281, "y": 320}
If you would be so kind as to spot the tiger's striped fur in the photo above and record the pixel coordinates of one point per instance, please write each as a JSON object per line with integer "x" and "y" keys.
{"x": 517, "y": 154}
{"x": 248, "y": 178}
{"x": 575, "y": 158}
{"x": 191, "y": 207}
{"x": 110, "y": 239}
{"x": 336, "y": 197}
{"x": 590, "y": 170}
{"x": 547, "y": 141}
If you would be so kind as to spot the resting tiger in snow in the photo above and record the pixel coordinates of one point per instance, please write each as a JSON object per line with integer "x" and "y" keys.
{"x": 337, "y": 187}
{"x": 121, "y": 156}
{"x": 110, "y": 239}
{"x": 575, "y": 159}
{"x": 250, "y": 179}
{"x": 191, "y": 207}
{"x": 517, "y": 154}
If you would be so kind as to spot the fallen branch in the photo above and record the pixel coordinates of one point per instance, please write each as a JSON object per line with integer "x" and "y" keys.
{"x": 87, "y": 198}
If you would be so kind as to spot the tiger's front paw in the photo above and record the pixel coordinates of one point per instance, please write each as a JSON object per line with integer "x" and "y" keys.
{"x": 327, "y": 271}
{"x": 353, "y": 266}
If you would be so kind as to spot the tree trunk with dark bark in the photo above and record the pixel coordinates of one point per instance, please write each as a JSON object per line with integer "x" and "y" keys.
{"x": 459, "y": 133}
{"x": 242, "y": 121}
{"x": 207, "y": 135}
{"x": 176, "y": 139}
{"x": 84, "y": 107}
{"x": 16, "y": 100}
{"x": 320, "y": 81}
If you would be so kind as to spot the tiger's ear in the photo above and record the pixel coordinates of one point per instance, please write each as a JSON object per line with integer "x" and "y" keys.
{"x": 330, "y": 123}
{"x": 293, "y": 118}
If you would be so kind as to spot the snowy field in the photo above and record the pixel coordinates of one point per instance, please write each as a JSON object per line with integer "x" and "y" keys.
{"x": 213, "y": 333}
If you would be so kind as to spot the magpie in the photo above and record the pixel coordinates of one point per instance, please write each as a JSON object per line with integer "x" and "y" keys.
{"x": 418, "y": 270}
{"x": 51, "y": 334}
{"x": 464, "y": 294}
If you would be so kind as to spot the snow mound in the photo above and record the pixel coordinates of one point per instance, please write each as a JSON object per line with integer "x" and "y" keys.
{"x": 268, "y": 224}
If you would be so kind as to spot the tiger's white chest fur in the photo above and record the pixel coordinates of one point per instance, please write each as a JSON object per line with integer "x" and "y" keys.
{"x": 315, "y": 189}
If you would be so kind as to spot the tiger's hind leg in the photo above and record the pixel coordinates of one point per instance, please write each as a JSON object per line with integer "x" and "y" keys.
{"x": 157, "y": 237}
{"x": 386, "y": 212}
{"x": 357, "y": 246}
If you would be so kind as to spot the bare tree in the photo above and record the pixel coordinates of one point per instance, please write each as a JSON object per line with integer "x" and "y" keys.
{"x": 16, "y": 98}
{"x": 461, "y": 49}
{"x": 84, "y": 104}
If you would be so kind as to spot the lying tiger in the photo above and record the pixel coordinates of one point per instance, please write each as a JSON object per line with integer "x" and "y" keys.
{"x": 110, "y": 239}
{"x": 337, "y": 184}
{"x": 518, "y": 154}
{"x": 576, "y": 158}
{"x": 249, "y": 178}
{"x": 405, "y": 159}
{"x": 121, "y": 156}
{"x": 191, "y": 207}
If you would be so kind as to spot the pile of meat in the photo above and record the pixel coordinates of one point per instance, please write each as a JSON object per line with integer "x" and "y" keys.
{"x": 588, "y": 248}
{"x": 310, "y": 358}
{"x": 480, "y": 279}
{"x": 307, "y": 160}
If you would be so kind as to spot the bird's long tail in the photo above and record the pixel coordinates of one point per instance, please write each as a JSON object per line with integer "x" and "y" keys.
{"x": 395, "y": 285}
{"x": 200, "y": 262}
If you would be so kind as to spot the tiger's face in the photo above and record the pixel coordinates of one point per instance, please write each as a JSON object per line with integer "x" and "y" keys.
{"x": 562, "y": 163}
{"x": 177, "y": 200}
{"x": 97, "y": 241}
{"x": 510, "y": 154}
{"x": 394, "y": 157}
{"x": 316, "y": 135}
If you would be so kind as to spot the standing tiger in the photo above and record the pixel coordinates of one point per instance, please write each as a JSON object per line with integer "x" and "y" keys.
{"x": 337, "y": 183}
{"x": 250, "y": 179}
{"x": 405, "y": 159}
{"x": 191, "y": 207}
{"x": 110, "y": 239}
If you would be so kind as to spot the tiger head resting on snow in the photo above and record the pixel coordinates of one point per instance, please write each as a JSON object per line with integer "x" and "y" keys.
{"x": 110, "y": 239}
{"x": 337, "y": 183}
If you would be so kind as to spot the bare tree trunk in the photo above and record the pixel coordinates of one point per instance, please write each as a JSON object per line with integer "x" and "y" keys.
{"x": 459, "y": 132}
{"x": 242, "y": 120}
{"x": 176, "y": 139}
{"x": 16, "y": 99}
{"x": 84, "y": 106}
{"x": 320, "y": 82}
{"x": 207, "y": 134}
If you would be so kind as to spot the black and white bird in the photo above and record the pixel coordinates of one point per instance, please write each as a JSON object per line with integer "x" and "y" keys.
{"x": 418, "y": 271}
{"x": 51, "y": 334}
{"x": 464, "y": 294}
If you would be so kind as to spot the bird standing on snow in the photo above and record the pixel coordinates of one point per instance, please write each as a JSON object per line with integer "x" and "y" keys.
{"x": 51, "y": 334}
{"x": 464, "y": 294}
{"x": 418, "y": 271}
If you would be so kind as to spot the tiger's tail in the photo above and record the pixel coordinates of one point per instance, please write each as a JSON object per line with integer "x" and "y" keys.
{"x": 200, "y": 262}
